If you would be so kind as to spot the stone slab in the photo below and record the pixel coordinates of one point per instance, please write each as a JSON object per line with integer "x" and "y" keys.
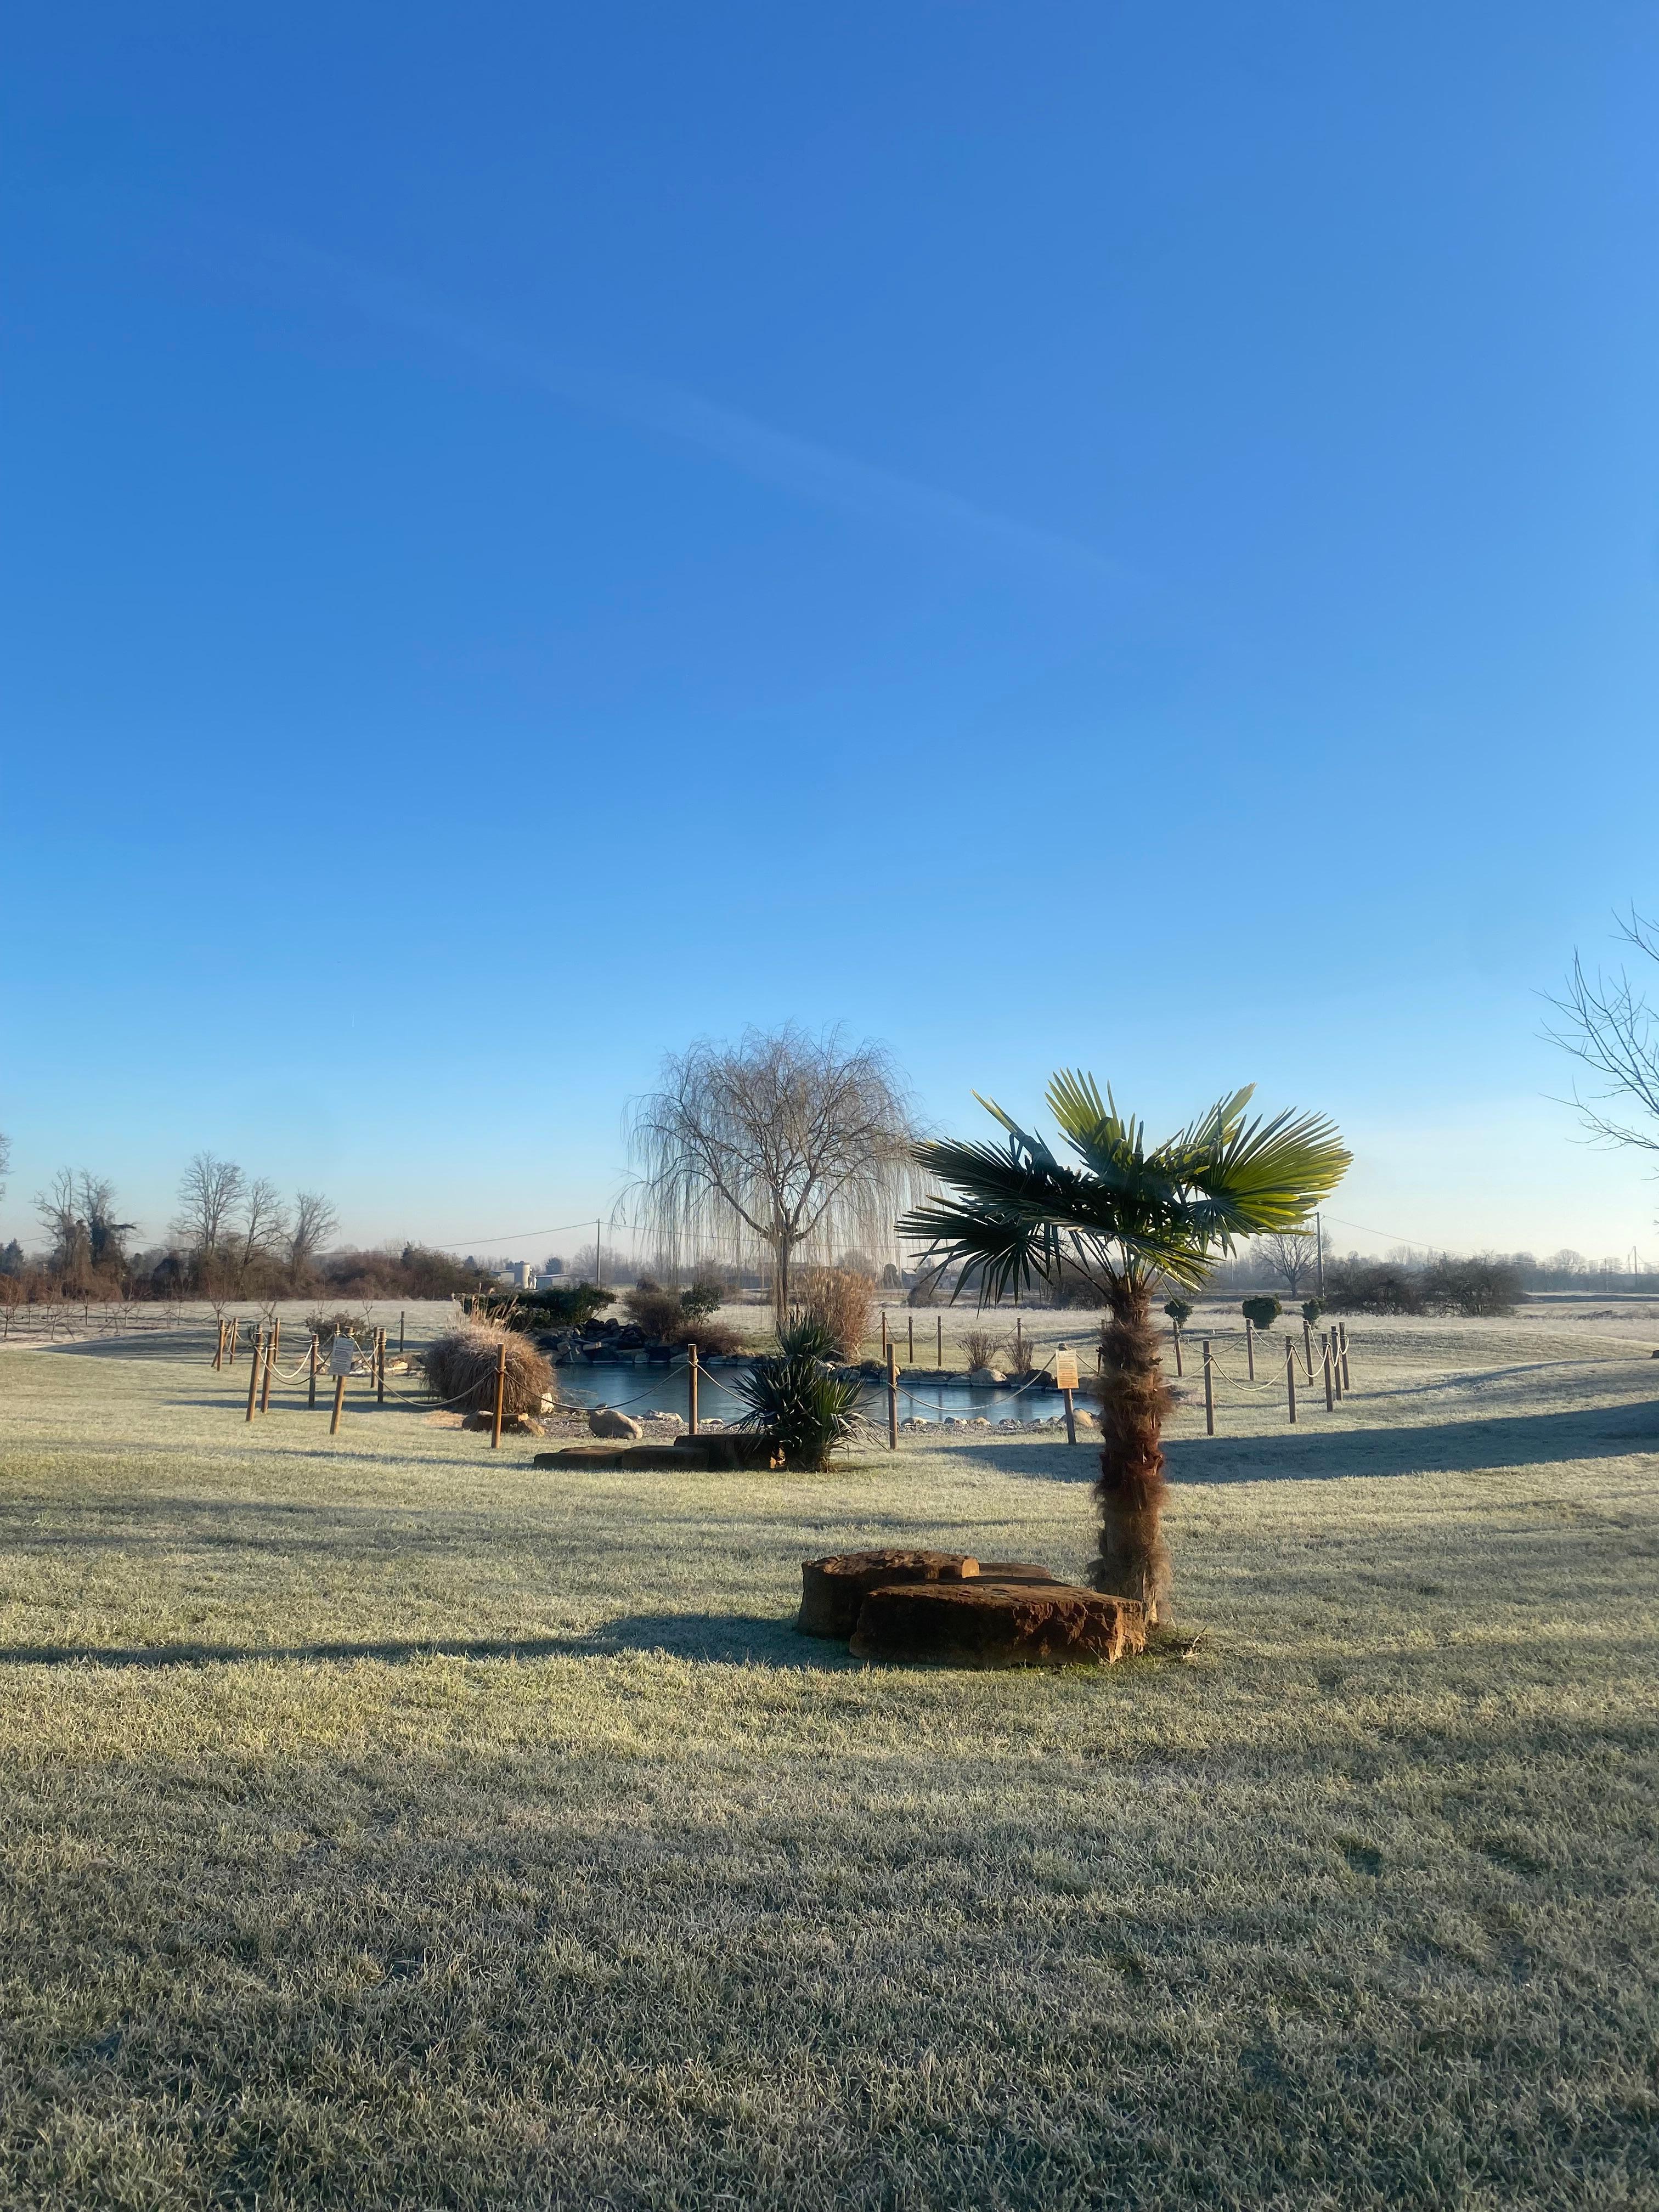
{"x": 979, "y": 1622}
{"x": 833, "y": 1590}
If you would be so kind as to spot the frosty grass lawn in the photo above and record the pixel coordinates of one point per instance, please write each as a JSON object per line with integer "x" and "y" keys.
{"x": 385, "y": 1824}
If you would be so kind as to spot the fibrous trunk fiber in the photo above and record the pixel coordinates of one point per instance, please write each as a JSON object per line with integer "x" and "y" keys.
{"x": 1133, "y": 1560}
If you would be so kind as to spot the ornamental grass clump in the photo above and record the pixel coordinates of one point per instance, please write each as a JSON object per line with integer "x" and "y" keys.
{"x": 461, "y": 1365}
{"x": 842, "y": 1301}
{"x": 795, "y": 1396}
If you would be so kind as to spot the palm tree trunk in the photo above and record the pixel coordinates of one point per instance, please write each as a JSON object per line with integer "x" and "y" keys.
{"x": 1133, "y": 1560}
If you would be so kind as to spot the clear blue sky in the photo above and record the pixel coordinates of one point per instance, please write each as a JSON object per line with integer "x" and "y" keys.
{"x": 1109, "y": 535}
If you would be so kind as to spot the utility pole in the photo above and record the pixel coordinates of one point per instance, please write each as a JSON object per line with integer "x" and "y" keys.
{"x": 598, "y": 1260}
{"x": 1319, "y": 1253}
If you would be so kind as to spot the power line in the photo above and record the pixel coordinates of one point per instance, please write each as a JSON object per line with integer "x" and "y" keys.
{"x": 1427, "y": 1242}
{"x": 510, "y": 1236}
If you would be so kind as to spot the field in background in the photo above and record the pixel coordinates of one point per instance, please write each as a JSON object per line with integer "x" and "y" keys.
{"x": 384, "y": 1823}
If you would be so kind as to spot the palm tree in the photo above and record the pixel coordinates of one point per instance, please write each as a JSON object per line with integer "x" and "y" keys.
{"x": 1127, "y": 1219}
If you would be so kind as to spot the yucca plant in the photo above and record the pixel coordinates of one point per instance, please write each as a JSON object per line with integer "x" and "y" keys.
{"x": 1127, "y": 1215}
{"x": 796, "y": 1397}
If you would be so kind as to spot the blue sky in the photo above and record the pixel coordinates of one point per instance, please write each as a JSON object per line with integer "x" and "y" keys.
{"x": 1118, "y": 536}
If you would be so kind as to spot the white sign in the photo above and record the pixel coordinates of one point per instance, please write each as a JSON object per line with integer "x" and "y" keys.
{"x": 1065, "y": 1370}
{"x": 341, "y": 1353}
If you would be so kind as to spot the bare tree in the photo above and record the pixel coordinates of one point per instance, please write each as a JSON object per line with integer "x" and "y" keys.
{"x": 311, "y": 1224}
{"x": 785, "y": 1143}
{"x": 1607, "y": 1022}
{"x": 61, "y": 1218}
{"x": 1292, "y": 1255}
{"x": 261, "y": 1227}
{"x": 106, "y": 1237}
{"x": 209, "y": 1195}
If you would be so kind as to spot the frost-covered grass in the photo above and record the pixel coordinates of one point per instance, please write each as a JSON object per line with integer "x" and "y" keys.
{"x": 385, "y": 1824}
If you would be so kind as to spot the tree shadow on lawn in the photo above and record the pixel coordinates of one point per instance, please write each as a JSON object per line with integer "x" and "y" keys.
{"x": 732, "y": 1639}
{"x": 1333, "y": 1451}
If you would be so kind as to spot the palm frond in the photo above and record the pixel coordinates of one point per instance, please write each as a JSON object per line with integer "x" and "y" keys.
{"x": 1126, "y": 1213}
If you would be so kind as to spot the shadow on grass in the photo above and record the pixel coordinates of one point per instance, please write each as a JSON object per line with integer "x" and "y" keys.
{"x": 731, "y": 1639}
{"x": 1328, "y": 1448}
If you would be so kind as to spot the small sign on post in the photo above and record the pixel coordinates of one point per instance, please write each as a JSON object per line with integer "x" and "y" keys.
{"x": 1066, "y": 1383}
{"x": 341, "y": 1354}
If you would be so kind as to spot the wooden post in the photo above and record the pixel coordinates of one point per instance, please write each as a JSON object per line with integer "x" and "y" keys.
{"x": 1071, "y": 1418}
{"x": 1175, "y": 1331}
{"x": 380, "y": 1369}
{"x": 1249, "y": 1348}
{"x": 1307, "y": 1344}
{"x": 1209, "y": 1393}
{"x": 1342, "y": 1338}
{"x": 270, "y": 1361}
{"x": 312, "y": 1398}
{"x": 500, "y": 1395}
{"x": 339, "y": 1404}
{"x": 938, "y": 1325}
{"x": 253, "y": 1378}
{"x": 892, "y": 1398}
{"x": 883, "y": 1333}
{"x": 1330, "y": 1389}
{"x": 401, "y": 1319}
{"x": 1289, "y": 1376}
{"x": 691, "y": 1390}
{"x": 911, "y": 1324}
{"x": 235, "y": 1331}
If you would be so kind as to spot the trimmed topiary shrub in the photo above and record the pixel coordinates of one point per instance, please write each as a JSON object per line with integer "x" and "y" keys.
{"x": 1180, "y": 1310}
{"x": 1262, "y": 1312}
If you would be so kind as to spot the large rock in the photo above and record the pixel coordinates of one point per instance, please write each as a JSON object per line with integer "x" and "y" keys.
{"x": 985, "y": 1378}
{"x": 832, "y": 1590}
{"x": 976, "y": 1622}
{"x": 603, "y": 1422}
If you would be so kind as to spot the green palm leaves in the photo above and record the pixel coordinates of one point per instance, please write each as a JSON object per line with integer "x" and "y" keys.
{"x": 1126, "y": 1213}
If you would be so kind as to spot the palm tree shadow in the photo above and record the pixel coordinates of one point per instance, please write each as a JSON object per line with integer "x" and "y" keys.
{"x": 1326, "y": 1448}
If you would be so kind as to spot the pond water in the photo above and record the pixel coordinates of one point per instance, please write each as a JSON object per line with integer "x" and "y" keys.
{"x": 644, "y": 1389}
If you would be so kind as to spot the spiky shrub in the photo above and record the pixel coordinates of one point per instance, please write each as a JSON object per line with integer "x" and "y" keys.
{"x": 795, "y": 1396}
{"x": 1262, "y": 1312}
{"x": 843, "y": 1300}
{"x": 1311, "y": 1310}
{"x": 460, "y": 1369}
{"x": 804, "y": 1334}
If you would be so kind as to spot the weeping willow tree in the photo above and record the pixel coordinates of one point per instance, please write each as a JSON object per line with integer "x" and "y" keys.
{"x": 783, "y": 1145}
{"x": 1127, "y": 1215}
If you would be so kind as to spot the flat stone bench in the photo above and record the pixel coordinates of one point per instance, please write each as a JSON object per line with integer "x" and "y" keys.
{"x": 950, "y": 1610}
{"x": 728, "y": 1453}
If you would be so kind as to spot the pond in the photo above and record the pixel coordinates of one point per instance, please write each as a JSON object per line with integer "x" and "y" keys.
{"x": 643, "y": 1390}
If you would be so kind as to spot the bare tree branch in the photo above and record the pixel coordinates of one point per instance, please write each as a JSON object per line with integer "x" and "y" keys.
{"x": 311, "y": 1224}
{"x": 783, "y": 1144}
{"x": 209, "y": 1195}
{"x": 1608, "y": 1024}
